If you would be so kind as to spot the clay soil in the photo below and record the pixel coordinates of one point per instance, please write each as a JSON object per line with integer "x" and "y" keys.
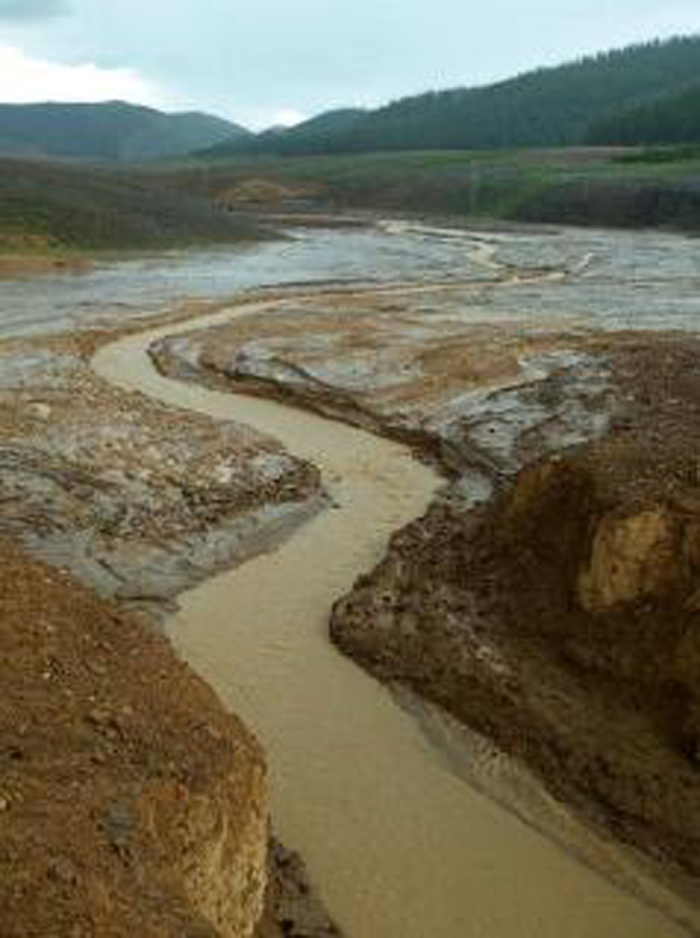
{"x": 110, "y": 746}
{"x": 561, "y": 618}
{"x": 107, "y": 739}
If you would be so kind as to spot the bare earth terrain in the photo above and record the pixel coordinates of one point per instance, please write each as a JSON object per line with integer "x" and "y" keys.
{"x": 137, "y": 502}
{"x": 547, "y": 599}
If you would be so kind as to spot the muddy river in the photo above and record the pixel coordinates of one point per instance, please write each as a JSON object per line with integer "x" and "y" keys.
{"x": 629, "y": 279}
{"x": 400, "y": 844}
{"x": 387, "y": 808}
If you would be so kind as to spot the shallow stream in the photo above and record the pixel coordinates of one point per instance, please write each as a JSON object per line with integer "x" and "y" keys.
{"x": 399, "y": 843}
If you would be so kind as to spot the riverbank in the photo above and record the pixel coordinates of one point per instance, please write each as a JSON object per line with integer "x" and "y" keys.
{"x": 486, "y": 402}
{"x": 448, "y": 363}
{"x": 129, "y": 799}
{"x": 14, "y": 266}
{"x": 136, "y": 502}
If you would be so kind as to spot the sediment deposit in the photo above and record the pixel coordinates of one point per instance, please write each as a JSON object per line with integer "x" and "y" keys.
{"x": 130, "y": 802}
{"x": 558, "y": 616}
{"x": 546, "y": 599}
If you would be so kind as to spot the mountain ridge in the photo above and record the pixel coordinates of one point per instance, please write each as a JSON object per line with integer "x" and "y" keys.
{"x": 545, "y": 107}
{"x": 108, "y": 130}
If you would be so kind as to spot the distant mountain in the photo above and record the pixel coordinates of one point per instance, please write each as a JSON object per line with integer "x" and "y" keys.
{"x": 542, "y": 108}
{"x": 113, "y": 130}
{"x": 309, "y": 136}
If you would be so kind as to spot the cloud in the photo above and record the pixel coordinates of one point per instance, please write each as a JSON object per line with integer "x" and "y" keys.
{"x": 24, "y": 79}
{"x": 251, "y": 61}
{"x": 262, "y": 118}
{"x": 32, "y": 9}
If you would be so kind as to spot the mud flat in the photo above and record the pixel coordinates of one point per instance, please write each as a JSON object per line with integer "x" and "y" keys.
{"x": 586, "y": 435}
{"x": 357, "y": 785}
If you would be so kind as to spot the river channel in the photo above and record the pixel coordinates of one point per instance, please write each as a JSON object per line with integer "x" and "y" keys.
{"x": 400, "y": 845}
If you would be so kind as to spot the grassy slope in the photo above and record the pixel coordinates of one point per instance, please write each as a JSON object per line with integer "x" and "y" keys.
{"x": 59, "y": 207}
{"x": 575, "y": 186}
{"x": 55, "y": 206}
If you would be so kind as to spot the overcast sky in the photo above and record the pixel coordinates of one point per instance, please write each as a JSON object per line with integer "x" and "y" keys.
{"x": 273, "y": 61}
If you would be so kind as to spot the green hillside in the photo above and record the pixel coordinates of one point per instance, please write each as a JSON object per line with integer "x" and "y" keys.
{"x": 667, "y": 119}
{"x": 549, "y": 107}
{"x": 309, "y": 136}
{"x": 111, "y": 130}
{"x": 50, "y": 205}
{"x": 599, "y": 186}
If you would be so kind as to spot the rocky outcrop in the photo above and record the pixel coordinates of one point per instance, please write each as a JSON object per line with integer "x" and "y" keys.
{"x": 292, "y": 908}
{"x": 631, "y": 558}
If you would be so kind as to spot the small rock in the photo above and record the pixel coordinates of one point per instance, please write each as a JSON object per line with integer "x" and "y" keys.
{"x": 40, "y": 410}
{"x": 62, "y": 870}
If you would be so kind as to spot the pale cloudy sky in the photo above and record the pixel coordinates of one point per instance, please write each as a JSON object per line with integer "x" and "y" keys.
{"x": 268, "y": 61}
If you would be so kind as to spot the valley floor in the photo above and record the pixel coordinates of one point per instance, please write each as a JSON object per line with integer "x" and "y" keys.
{"x": 547, "y": 599}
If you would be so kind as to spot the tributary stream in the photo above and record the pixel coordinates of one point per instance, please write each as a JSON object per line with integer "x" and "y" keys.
{"x": 399, "y": 845}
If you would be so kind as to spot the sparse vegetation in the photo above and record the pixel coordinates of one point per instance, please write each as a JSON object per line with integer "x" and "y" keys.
{"x": 574, "y": 186}
{"x": 59, "y": 207}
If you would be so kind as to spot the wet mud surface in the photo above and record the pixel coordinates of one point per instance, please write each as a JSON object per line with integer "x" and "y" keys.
{"x": 547, "y": 598}
{"x": 136, "y": 500}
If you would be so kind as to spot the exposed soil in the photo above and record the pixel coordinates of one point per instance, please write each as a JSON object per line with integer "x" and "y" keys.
{"x": 560, "y": 617}
{"x": 130, "y": 802}
{"x": 137, "y": 500}
{"x": 105, "y": 785}
{"x": 13, "y": 266}
{"x": 406, "y": 363}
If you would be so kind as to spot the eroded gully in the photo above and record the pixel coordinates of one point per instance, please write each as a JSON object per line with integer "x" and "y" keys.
{"x": 399, "y": 845}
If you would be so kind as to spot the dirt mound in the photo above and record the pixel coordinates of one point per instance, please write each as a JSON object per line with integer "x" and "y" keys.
{"x": 262, "y": 193}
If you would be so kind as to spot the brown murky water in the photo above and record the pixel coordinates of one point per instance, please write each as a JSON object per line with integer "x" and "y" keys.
{"x": 399, "y": 843}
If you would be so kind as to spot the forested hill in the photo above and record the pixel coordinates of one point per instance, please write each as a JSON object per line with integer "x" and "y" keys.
{"x": 666, "y": 119}
{"x": 546, "y": 107}
{"x": 308, "y": 137}
{"x": 113, "y": 130}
